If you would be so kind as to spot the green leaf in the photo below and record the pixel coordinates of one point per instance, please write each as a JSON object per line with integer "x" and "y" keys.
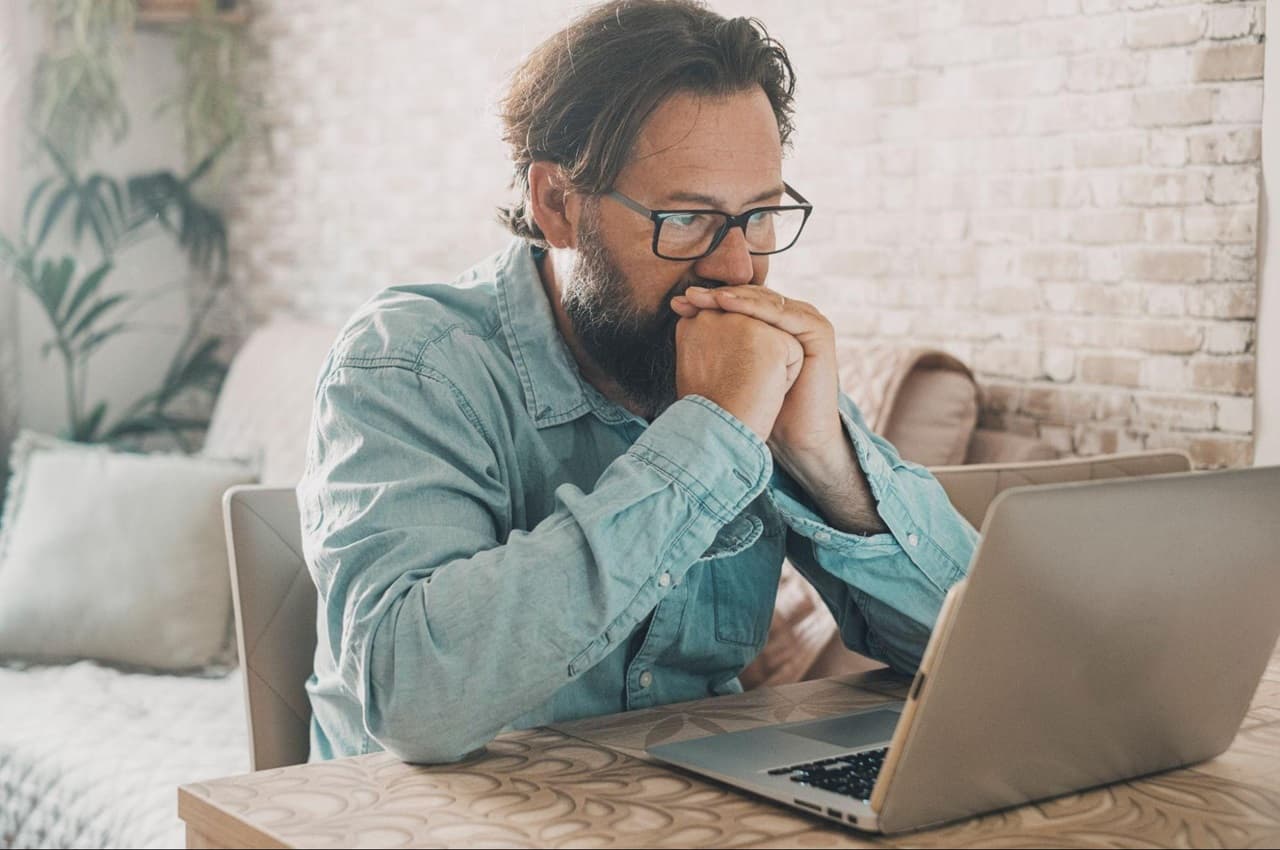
{"x": 52, "y": 285}
{"x": 151, "y": 423}
{"x": 33, "y": 199}
{"x": 87, "y": 288}
{"x": 91, "y": 316}
{"x": 89, "y": 428}
{"x": 52, "y": 211}
{"x": 91, "y": 342}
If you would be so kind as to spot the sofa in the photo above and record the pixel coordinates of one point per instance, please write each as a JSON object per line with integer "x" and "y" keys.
{"x": 91, "y": 755}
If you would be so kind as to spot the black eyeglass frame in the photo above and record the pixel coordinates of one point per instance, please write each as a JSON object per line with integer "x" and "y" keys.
{"x": 731, "y": 221}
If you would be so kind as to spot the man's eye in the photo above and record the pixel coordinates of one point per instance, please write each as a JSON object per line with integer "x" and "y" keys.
{"x": 685, "y": 221}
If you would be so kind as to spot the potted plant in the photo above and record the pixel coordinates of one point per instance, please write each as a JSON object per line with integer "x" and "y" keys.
{"x": 77, "y": 101}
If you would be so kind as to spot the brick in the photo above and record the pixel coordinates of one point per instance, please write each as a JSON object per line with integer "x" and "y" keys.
{"x": 1233, "y": 376}
{"x": 1050, "y": 263}
{"x": 1009, "y": 361}
{"x": 1227, "y": 62}
{"x": 1163, "y": 300}
{"x": 1168, "y": 67}
{"x": 1234, "y": 20}
{"x": 1173, "y": 107}
{"x": 1229, "y": 337}
{"x": 1059, "y": 364}
{"x": 1221, "y": 224}
{"x": 1172, "y": 188}
{"x": 1238, "y": 103}
{"x": 1234, "y": 184}
{"x": 1235, "y": 414}
{"x": 1002, "y": 11}
{"x": 1105, "y": 226}
{"x": 1058, "y": 405}
{"x": 1000, "y": 227}
{"x": 1112, "y": 369}
{"x": 1107, "y": 151}
{"x": 1226, "y": 146}
{"x": 1104, "y": 265}
{"x": 1234, "y": 262}
{"x": 1223, "y": 301}
{"x": 1010, "y": 299}
{"x": 1173, "y": 412}
{"x": 1165, "y": 28}
{"x": 1207, "y": 451}
{"x": 1162, "y": 225}
{"x": 1162, "y": 337}
{"x": 1164, "y": 373}
{"x": 1058, "y": 436}
{"x": 1167, "y": 149}
{"x": 1107, "y": 439}
{"x": 1180, "y": 265}
{"x": 1105, "y": 71}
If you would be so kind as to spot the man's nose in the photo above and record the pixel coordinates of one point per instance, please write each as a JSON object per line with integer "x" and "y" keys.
{"x": 730, "y": 262}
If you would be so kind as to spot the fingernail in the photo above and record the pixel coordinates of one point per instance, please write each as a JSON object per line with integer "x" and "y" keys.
{"x": 698, "y": 289}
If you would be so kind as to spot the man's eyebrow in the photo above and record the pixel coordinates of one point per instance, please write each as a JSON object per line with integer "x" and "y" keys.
{"x": 718, "y": 203}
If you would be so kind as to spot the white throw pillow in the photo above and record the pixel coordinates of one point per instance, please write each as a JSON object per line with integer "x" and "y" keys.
{"x": 115, "y": 556}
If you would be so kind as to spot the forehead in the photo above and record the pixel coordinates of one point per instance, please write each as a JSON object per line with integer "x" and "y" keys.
{"x": 722, "y": 146}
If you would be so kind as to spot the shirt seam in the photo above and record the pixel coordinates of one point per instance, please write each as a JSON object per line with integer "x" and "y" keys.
{"x": 421, "y": 370}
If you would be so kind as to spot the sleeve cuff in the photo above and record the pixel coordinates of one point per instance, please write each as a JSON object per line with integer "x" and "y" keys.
{"x": 711, "y": 455}
{"x": 800, "y": 514}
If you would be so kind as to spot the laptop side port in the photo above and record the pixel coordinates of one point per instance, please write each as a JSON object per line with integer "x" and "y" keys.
{"x": 809, "y": 806}
{"x": 836, "y": 813}
{"x": 853, "y": 819}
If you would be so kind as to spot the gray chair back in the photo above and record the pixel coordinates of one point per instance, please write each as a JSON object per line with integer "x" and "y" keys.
{"x": 973, "y": 488}
{"x": 275, "y": 605}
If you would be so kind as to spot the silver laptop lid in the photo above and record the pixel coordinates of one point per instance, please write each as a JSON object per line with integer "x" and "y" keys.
{"x": 1109, "y": 629}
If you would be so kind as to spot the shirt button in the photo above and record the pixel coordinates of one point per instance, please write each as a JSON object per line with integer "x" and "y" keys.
{"x": 913, "y": 540}
{"x": 822, "y": 536}
{"x": 646, "y": 679}
{"x": 664, "y": 580}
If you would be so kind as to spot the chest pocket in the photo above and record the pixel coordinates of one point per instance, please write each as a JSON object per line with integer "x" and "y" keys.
{"x": 745, "y": 562}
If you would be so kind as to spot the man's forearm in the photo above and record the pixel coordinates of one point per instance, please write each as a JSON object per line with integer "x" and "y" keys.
{"x": 838, "y": 487}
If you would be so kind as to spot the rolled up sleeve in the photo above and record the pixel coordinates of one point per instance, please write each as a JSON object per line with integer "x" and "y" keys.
{"x": 885, "y": 590}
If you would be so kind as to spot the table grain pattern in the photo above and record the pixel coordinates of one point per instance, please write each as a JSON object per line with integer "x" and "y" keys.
{"x": 589, "y": 784}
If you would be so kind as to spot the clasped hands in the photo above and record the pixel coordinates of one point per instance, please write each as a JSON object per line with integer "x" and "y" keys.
{"x": 771, "y": 362}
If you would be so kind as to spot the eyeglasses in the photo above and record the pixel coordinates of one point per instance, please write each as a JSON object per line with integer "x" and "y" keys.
{"x": 693, "y": 234}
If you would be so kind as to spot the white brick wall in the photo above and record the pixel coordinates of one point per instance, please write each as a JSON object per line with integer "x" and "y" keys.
{"x": 1062, "y": 192}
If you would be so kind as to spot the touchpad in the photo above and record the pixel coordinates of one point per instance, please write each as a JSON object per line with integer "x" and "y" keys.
{"x": 851, "y": 730}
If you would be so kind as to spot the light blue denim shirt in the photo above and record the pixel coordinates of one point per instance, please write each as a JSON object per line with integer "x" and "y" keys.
{"x": 498, "y": 546}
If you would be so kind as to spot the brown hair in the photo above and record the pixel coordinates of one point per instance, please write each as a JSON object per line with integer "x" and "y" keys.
{"x": 583, "y": 95}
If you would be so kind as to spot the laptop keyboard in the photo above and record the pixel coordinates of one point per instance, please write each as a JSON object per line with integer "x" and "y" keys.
{"x": 853, "y": 775}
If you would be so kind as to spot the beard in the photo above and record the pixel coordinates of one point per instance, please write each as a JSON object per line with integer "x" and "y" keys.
{"x": 633, "y": 346}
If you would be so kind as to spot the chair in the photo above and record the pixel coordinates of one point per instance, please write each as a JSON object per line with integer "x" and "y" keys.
{"x": 275, "y": 607}
{"x": 973, "y": 487}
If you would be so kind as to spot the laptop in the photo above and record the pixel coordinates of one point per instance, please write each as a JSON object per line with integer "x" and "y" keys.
{"x": 1107, "y": 629}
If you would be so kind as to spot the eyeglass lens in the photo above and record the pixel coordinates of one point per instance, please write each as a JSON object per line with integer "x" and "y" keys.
{"x": 689, "y": 235}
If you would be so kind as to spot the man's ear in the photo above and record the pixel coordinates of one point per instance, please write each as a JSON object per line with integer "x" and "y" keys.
{"x": 555, "y": 209}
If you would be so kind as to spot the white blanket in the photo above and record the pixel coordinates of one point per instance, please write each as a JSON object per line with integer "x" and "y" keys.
{"x": 93, "y": 757}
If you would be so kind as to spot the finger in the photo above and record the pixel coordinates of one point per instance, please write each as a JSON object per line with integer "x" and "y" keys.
{"x": 795, "y": 317}
{"x": 682, "y": 306}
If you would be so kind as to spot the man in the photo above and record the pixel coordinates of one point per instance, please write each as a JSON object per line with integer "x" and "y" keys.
{"x": 564, "y": 485}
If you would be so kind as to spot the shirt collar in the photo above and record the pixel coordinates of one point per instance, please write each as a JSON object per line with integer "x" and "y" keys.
{"x": 554, "y": 391}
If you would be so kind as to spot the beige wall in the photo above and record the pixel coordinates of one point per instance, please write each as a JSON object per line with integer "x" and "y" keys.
{"x": 1062, "y": 192}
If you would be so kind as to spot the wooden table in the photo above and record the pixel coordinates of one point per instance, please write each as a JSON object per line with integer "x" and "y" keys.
{"x": 589, "y": 784}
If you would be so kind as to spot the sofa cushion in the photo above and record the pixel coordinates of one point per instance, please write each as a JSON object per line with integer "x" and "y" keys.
{"x": 264, "y": 408}
{"x": 923, "y": 401}
{"x": 115, "y": 556}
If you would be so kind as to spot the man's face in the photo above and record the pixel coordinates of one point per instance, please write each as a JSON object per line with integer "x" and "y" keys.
{"x": 694, "y": 153}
